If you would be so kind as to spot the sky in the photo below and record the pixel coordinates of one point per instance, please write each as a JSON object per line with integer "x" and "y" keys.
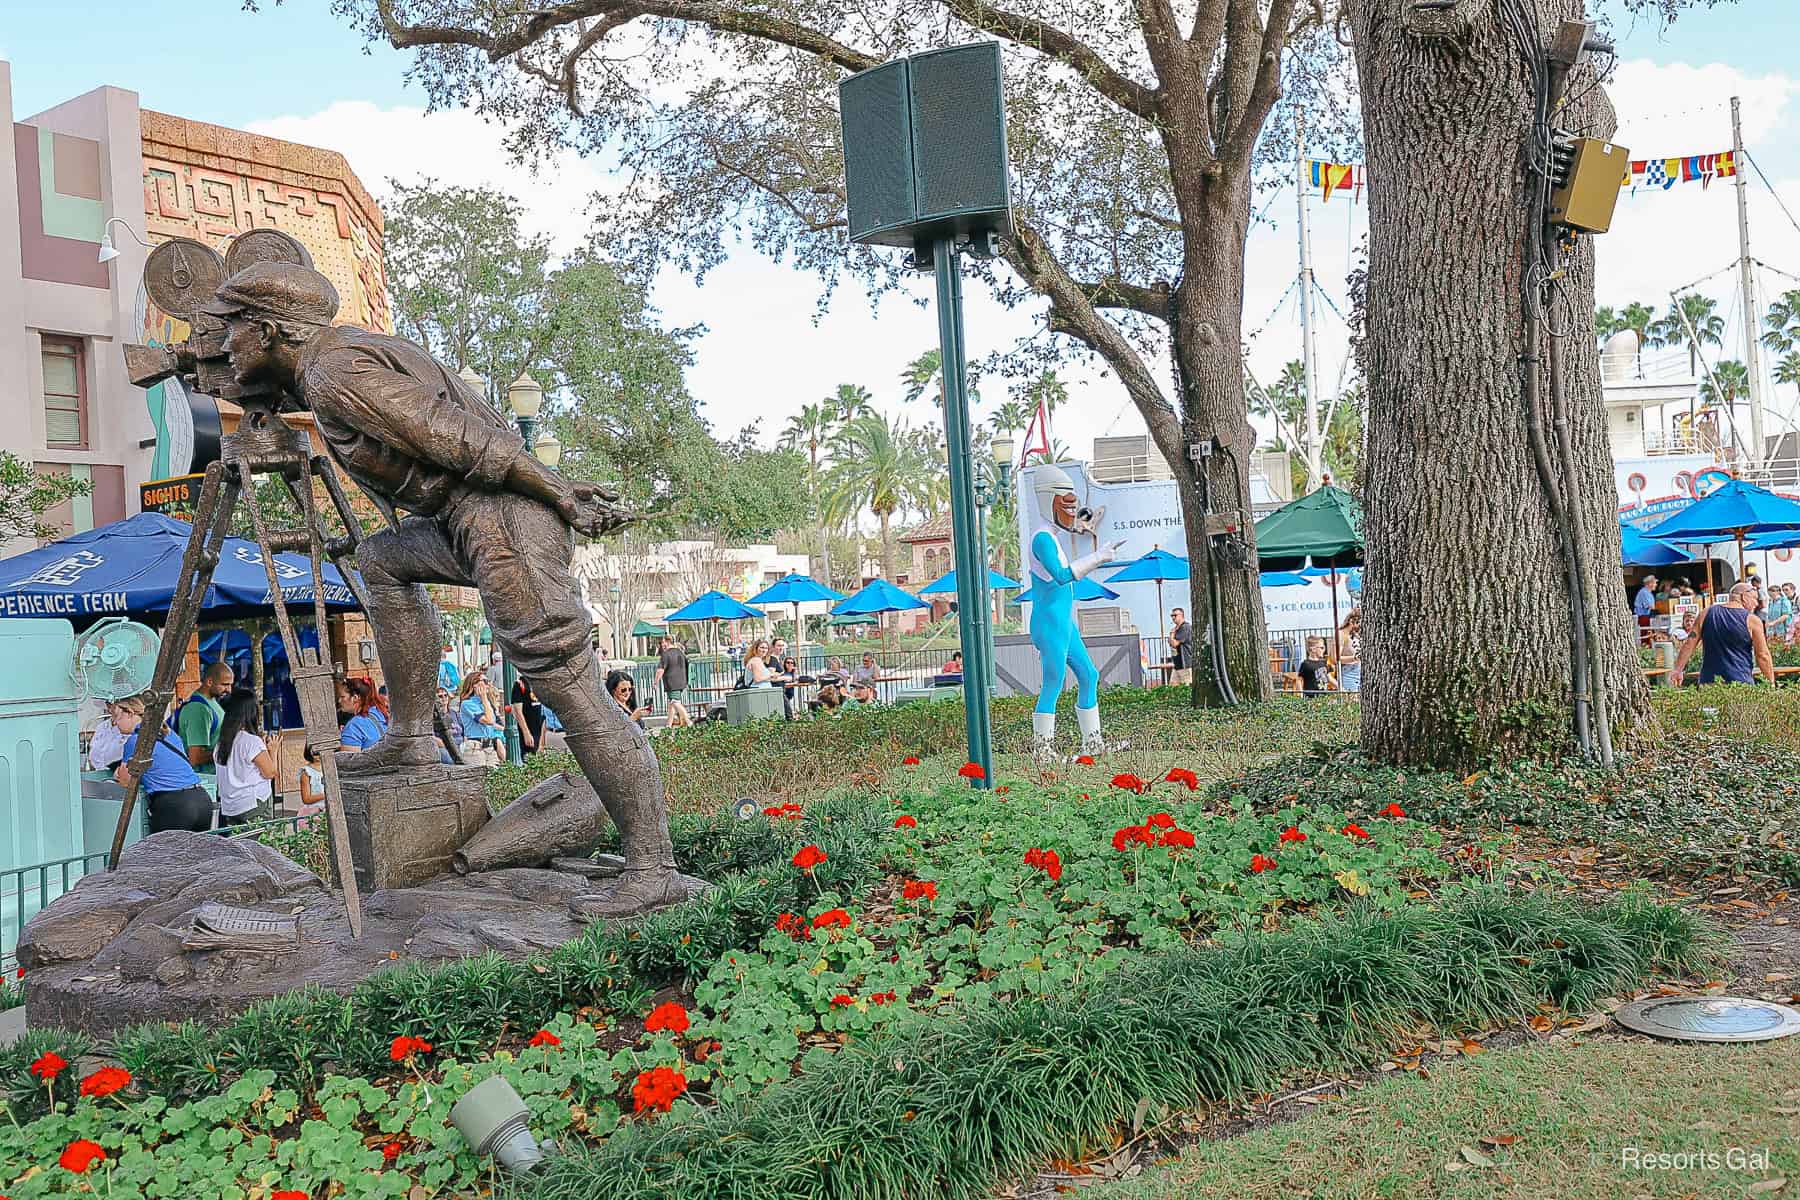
{"x": 294, "y": 71}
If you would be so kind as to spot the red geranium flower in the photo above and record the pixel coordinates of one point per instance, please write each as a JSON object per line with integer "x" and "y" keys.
{"x": 1260, "y": 863}
{"x": 792, "y": 924}
{"x": 1394, "y": 811}
{"x": 670, "y": 1016}
{"x": 832, "y": 918}
{"x": 544, "y": 1037}
{"x": 772, "y": 812}
{"x": 911, "y": 760}
{"x": 79, "y": 1155}
{"x": 1179, "y": 838}
{"x": 883, "y": 998}
{"x": 971, "y": 771}
{"x": 1355, "y": 830}
{"x": 49, "y": 1065}
{"x": 105, "y": 1082}
{"x": 390, "y": 1152}
{"x": 1160, "y": 821}
{"x": 290, "y": 1194}
{"x": 1047, "y": 861}
{"x": 1123, "y": 838}
{"x": 405, "y": 1046}
{"x": 1084, "y": 760}
{"x": 906, "y": 821}
{"x": 1292, "y": 834}
{"x": 1183, "y": 776}
{"x": 656, "y": 1089}
{"x": 917, "y": 889}
{"x": 1130, "y": 783}
{"x": 842, "y": 1001}
{"x": 808, "y": 857}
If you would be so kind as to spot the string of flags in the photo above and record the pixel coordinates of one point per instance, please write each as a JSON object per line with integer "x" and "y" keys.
{"x": 1331, "y": 177}
{"x": 1665, "y": 173}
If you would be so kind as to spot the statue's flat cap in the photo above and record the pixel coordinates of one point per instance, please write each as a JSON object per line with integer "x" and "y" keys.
{"x": 284, "y": 291}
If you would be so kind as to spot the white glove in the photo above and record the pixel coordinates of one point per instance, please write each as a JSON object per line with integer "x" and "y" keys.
{"x": 1083, "y": 566}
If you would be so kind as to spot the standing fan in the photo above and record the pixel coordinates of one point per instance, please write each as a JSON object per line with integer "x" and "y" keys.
{"x": 115, "y": 658}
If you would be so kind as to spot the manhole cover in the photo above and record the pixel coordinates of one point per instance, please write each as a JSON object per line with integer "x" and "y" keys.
{"x": 1710, "y": 1019}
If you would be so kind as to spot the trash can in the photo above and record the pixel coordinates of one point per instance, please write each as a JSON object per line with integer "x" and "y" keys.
{"x": 752, "y": 704}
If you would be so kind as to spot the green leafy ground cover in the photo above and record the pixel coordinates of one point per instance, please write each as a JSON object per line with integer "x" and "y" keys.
{"x": 933, "y": 909}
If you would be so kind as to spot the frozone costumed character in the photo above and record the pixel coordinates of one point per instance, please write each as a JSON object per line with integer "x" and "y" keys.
{"x": 1057, "y": 518}
{"x": 480, "y": 510}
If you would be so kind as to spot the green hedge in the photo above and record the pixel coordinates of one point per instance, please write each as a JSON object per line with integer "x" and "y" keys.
{"x": 953, "y": 1107}
{"x": 464, "y": 1007}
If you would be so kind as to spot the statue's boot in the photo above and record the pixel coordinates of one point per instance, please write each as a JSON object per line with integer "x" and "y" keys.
{"x": 1043, "y": 738}
{"x": 407, "y": 631}
{"x": 616, "y": 758}
{"x": 1092, "y": 743}
{"x": 409, "y": 750}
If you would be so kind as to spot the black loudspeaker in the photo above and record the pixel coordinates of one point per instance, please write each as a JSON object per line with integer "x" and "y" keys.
{"x": 925, "y": 148}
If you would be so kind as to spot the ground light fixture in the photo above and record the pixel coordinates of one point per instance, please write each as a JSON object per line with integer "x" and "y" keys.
{"x": 492, "y": 1118}
{"x": 1710, "y": 1019}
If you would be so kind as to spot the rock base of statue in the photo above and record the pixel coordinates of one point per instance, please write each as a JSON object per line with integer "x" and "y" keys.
{"x": 193, "y": 926}
{"x": 406, "y": 824}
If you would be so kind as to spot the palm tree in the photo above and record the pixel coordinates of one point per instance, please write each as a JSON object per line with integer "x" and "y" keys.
{"x": 1606, "y": 323}
{"x": 1637, "y": 317}
{"x": 1783, "y": 321}
{"x": 851, "y": 400}
{"x": 1702, "y": 314}
{"x": 1047, "y": 390}
{"x": 917, "y": 375}
{"x": 1010, "y": 417}
{"x": 1788, "y": 369}
{"x": 1732, "y": 380}
{"x": 880, "y": 466}
{"x": 810, "y": 429}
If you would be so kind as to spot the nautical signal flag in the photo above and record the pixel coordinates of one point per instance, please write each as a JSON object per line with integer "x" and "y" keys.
{"x": 1330, "y": 177}
{"x": 1665, "y": 173}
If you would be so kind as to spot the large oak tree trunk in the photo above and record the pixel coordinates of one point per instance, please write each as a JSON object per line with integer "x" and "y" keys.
{"x": 1466, "y": 629}
{"x": 1208, "y": 333}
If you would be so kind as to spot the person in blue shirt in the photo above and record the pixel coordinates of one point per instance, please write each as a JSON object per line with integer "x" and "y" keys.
{"x": 483, "y": 733}
{"x": 172, "y": 793}
{"x": 449, "y": 678}
{"x": 367, "y": 720}
{"x": 1644, "y": 604}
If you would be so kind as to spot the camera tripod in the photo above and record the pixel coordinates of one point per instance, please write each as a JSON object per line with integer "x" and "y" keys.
{"x": 264, "y": 445}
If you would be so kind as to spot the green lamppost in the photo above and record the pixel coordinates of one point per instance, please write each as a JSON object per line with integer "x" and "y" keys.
{"x": 526, "y": 399}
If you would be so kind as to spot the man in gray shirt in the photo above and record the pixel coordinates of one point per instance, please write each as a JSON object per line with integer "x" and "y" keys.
{"x": 1181, "y": 642}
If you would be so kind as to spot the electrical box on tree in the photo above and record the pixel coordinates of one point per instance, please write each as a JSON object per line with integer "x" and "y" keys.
{"x": 1585, "y": 185}
{"x": 925, "y": 148}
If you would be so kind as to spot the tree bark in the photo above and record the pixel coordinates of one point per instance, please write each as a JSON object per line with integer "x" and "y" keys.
{"x": 1466, "y": 629}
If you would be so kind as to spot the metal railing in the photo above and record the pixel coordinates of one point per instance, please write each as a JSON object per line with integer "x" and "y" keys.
{"x": 27, "y": 891}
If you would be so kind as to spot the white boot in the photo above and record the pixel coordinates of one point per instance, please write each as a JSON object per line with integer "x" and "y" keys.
{"x": 1089, "y": 721}
{"x": 1043, "y": 737}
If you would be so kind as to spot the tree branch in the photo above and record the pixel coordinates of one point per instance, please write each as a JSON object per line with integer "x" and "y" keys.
{"x": 1247, "y": 122}
{"x": 1122, "y": 90}
{"x": 1116, "y": 293}
{"x": 1074, "y": 314}
{"x": 1163, "y": 41}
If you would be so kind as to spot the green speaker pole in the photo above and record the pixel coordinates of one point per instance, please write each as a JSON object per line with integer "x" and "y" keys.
{"x": 971, "y": 554}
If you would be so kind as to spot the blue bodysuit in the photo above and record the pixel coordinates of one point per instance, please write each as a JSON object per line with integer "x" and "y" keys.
{"x": 1053, "y": 628}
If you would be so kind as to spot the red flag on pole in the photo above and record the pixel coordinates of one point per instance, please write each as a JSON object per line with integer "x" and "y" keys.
{"x": 1040, "y": 443}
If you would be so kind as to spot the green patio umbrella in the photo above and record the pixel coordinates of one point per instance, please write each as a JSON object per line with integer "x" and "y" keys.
{"x": 1325, "y": 525}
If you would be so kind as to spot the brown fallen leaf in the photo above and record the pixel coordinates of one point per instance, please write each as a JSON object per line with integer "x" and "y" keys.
{"x": 1541, "y": 1023}
{"x": 1500, "y": 1139}
{"x": 1777, "y": 977}
{"x": 1472, "y": 1048}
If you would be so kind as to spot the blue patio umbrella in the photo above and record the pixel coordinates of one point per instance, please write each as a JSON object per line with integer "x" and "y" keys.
{"x": 795, "y": 589}
{"x": 878, "y": 596}
{"x": 945, "y": 584}
{"x": 1281, "y": 579}
{"x": 1087, "y": 589}
{"x": 714, "y": 606}
{"x": 1153, "y": 567}
{"x": 1786, "y": 539}
{"x": 1636, "y": 549}
{"x": 133, "y": 566}
{"x": 1730, "y": 513}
